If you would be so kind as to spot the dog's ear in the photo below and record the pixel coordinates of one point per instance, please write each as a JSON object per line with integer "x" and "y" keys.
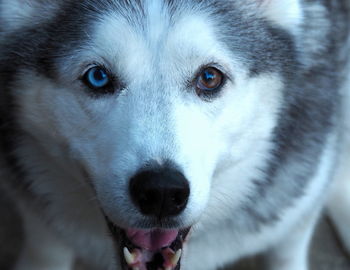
{"x": 286, "y": 13}
{"x": 17, "y": 13}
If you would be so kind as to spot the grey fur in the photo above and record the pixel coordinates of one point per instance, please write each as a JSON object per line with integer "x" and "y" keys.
{"x": 311, "y": 75}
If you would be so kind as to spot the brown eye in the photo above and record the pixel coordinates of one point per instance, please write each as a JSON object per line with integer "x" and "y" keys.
{"x": 209, "y": 81}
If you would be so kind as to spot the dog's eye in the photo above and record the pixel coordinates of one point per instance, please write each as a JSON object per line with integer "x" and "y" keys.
{"x": 209, "y": 81}
{"x": 96, "y": 78}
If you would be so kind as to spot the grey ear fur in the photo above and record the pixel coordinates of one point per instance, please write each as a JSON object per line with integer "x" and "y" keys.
{"x": 16, "y": 13}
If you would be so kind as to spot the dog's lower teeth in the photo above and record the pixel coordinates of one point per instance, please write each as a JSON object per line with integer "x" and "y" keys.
{"x": 175, "y": 259}
{"x": 129, "y": 258}
{"x": 171, "y": 258}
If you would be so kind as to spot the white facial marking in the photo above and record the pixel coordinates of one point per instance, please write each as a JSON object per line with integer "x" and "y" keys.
{"x": 156, "y": 14}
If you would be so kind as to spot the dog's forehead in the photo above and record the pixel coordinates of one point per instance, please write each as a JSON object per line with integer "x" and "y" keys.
{"x": 157, "y": 37}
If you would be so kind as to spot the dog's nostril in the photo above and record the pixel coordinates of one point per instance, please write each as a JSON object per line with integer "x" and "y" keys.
{"x": 146, "y": 200}
{"x": 179, "y": 198}
{"x": 163, "y": 192}
{"x": 149, "y": 197}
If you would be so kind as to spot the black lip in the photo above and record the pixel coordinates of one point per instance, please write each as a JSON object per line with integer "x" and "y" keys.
{"x": 120, "y": 240}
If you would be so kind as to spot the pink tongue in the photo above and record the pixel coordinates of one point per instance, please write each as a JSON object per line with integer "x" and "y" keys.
{"x": 152, "y": 240}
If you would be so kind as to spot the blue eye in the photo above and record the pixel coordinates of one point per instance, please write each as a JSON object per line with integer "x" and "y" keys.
{"x": 96, "y": 78}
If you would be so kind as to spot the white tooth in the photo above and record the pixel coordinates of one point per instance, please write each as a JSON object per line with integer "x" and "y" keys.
{"x": 175, "y": 259}
{"x": 129, "y": 258}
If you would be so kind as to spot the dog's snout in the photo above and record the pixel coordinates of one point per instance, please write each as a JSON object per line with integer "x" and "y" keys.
{"x": 160, "y": 192}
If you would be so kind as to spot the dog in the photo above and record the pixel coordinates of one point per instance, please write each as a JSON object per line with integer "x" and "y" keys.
{"x": 174, "y": 134}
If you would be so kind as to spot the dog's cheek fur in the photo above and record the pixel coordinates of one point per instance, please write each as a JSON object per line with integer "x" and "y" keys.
{"x": 44, "y": 140}
{"x": 207, "y": 152}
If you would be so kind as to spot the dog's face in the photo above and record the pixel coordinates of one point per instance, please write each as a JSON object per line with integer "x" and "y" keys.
{"x": 157, "y": 92}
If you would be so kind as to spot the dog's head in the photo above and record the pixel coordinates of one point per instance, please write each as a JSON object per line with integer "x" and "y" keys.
{"x": 167, "y": 106}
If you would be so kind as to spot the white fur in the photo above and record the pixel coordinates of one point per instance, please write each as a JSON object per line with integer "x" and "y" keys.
{"x": 286, "y": 13}
{"x": 339, "y": 201}
{"x": 159, "y": 117}
{"x": 287, "y": 239}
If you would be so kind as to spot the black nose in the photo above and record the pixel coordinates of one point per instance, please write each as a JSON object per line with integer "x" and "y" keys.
{"x": 160, "y": 192}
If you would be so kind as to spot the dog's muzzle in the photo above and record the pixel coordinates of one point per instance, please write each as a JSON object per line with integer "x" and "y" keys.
{"x": 160, "y": 194}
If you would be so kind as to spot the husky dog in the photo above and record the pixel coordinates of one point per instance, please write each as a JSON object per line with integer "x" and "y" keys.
{"x": 164, "y": 134}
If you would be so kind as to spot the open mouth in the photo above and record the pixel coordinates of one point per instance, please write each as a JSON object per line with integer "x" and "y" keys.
{"x": 153, "y": 249}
